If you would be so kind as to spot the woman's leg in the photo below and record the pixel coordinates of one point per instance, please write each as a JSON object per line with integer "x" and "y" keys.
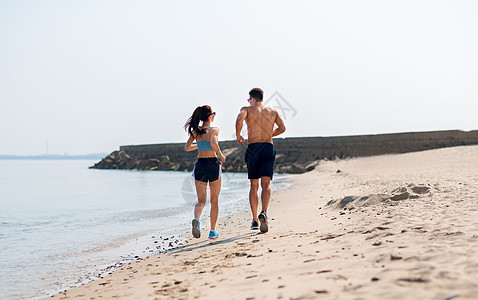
{"x": 214, "y": 190}
{"x": 201, "y": 191}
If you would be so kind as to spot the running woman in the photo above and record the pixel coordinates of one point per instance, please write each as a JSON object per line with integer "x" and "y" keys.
{"x": 208, "y": 166}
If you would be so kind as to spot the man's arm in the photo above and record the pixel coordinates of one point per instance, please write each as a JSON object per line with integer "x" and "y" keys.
{"x": 280, "y": 126}
{"x": 239, "y": 123}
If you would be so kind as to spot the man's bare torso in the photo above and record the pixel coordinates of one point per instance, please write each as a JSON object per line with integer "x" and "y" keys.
{"x": 260, "y": 122}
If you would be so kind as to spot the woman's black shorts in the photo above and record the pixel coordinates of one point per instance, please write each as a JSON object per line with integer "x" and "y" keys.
{"x": 207, "y": 169}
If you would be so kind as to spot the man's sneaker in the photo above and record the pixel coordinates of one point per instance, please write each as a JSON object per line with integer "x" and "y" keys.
{"x": 196, "y": 231}
{"x": 254, "y": 225}
{"x": 213, "y": 234}
{"x": 264, "y": 224}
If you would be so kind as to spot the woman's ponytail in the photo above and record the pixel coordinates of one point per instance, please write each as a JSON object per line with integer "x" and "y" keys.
{"x": 201, "y": 113}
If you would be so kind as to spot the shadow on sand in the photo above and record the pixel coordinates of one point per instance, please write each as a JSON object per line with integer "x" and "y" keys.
{"x": 209, "y": 243}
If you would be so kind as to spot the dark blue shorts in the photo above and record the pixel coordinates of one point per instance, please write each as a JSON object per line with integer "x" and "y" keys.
{"x": 207, "y": 169}
{"x": 260, "y": 158}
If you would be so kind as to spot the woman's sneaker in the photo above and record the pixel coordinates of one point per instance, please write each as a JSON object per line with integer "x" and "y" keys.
{"x": 264, "y": 223}
{"x": 196, "y": 231}
{"x": 213, "y": 234}
{"x": 254, "y": 225}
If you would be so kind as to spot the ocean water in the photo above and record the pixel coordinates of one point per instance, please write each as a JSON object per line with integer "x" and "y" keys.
{"x": 62, "y": 224}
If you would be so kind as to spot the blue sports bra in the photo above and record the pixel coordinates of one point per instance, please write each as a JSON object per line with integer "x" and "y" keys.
{"x": 204, "y": 145}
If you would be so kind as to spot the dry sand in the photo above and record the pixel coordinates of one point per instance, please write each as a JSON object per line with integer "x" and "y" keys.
{"x": 399, "y": 226}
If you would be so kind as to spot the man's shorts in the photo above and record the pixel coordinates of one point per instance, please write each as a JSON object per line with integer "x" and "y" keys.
{"x": 260, "y": 158}
{"x": 207, "y": 169}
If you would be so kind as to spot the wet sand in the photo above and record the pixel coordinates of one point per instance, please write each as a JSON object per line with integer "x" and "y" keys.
{"x": 399, "y": 226}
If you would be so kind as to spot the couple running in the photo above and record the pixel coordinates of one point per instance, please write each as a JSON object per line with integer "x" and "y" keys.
{"x": 260, "y": 157}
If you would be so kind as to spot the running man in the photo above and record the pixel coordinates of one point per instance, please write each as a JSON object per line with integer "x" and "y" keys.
{"x": 260, "y": 153}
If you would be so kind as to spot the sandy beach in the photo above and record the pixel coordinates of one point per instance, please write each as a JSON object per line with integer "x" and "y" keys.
{"x": 401, "y": 226}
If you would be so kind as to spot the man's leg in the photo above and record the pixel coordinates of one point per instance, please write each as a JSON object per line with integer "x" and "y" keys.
{"x": 253, "y": 198}
{"x": 265, "y": 197}
{"x": 266, "y": 192}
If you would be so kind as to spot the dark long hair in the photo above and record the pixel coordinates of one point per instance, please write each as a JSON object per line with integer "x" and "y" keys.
{"x": 201, "y": 113}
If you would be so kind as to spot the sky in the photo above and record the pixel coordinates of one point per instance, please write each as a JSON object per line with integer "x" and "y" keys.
{"x": 89, "y": 76}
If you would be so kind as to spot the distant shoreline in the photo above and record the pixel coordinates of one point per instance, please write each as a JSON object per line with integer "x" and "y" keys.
{"x": 94, "y": 156}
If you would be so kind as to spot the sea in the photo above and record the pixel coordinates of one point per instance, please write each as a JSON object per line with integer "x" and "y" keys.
{"x": 63, "y": 224}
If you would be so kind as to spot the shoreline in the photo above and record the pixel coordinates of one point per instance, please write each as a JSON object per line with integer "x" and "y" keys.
{"x": 389, "y": 226}
{"x": 184, "y": 236}
{"x": 174, "y": 240}
{"x": 140, "y": 247}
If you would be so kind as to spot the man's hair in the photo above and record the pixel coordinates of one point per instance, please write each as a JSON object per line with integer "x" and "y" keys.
{"x": 257, "y": 94}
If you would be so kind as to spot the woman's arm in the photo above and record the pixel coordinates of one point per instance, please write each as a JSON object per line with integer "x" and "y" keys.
{"x": 215, "y": 145}
{"x": 189, "y": 144}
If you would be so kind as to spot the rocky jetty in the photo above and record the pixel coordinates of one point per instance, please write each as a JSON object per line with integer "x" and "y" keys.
{"x": 294, "y": 155}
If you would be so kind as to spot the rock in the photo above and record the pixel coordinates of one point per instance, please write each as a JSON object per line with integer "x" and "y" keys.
{"x": 395, "y": 257}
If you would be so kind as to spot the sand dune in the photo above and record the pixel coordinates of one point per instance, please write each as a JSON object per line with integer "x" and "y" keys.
{"x": 387, "y": 227}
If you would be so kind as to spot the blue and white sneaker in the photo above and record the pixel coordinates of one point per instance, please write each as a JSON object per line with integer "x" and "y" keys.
{"x": 196, "y": 231}
{"x": 213, "y": 234}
